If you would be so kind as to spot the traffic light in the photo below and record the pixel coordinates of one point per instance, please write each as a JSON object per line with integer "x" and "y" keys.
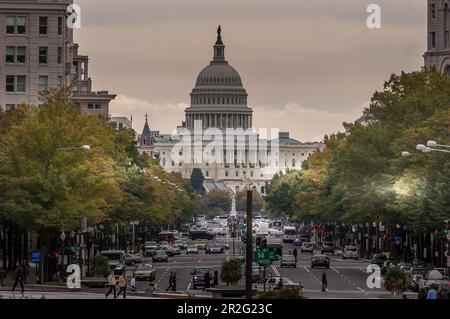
{"x": 264, "y": 243}
{"x": 258, "y": 243}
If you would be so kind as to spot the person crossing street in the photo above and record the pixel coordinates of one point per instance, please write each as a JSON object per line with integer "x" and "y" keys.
{"x": 324, "y": 281}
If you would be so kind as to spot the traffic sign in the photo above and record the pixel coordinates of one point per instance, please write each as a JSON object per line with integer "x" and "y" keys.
{"x": 262, "y": 257}
{"x": 36, "y": 257}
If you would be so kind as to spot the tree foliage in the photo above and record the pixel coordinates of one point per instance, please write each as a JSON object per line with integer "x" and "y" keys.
{"x": 361, "y": 176}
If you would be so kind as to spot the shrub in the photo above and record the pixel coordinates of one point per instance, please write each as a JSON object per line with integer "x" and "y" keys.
{"x": 284, "y": 293}
{"x": 100, "y": 266}
{"x": 396, "y": 280}
{"x": 231, "y": 272}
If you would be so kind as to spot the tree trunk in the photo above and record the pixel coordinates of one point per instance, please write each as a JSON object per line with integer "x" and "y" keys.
{"x": 4, "y": 248}
{"x": 10, "y": 247}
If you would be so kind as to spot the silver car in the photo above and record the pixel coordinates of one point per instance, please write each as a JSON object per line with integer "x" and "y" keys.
{"x": 350, "y": 252}
{"x": 288, "y": 261}
{"x": 307, "y": 247}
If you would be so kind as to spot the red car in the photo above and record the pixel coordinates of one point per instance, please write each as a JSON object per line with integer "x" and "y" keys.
{"x": 160, "y": 256}
{"x": 320, "y": 261}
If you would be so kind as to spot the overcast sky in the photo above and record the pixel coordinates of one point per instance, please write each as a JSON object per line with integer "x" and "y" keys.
{"x": 307, "y": 65}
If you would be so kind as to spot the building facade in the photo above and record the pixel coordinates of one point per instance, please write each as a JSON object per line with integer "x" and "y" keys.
{"x": 37, "y": 53}
{"x": 438, "y": 51}
{"x": 219, "y": 103}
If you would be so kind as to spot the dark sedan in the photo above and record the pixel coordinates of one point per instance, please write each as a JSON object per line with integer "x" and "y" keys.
{"x": 198, "y": 276}
{"x": 160, "y": 256}
{"x": 320, "y": 261}
{"x": 379, "y": 259}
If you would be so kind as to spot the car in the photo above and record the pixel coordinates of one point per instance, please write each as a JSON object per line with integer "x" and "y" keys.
{"x": 201, "y": 245}
{"x": 150, "y": 247}
{"x": 225, "y": 245}
{"x": 185, "y": 229}
{"x": 379, "y": 259}
{"x": 172, "y": 251}
{"x": 160, "y": 256}
{"x": 214, "y": 248}
{"x": 414, "y": 282}
{"x": 198, "y": 276}
{"x": 320, "y": 260}
{"x": 201, "y": 234}
{"x": 386, "y": 266}
{"x": 276, "y": 282}
{"x": 131, "y": 260}
{"x": 350, "y": 252}
{"x": 192, "y": 250}
{"x": 275, "y": 232}
{"x": 163, "y": 245}
{"x": 297, "y": 242}
{"x": 307, "y": 247}
{"x": 116, "y": 260}
{"x": 288, "y": 261}
{"x": 144, "y": 272}
{"x": 181, "y": 244}
{"x": 327, "y": 247}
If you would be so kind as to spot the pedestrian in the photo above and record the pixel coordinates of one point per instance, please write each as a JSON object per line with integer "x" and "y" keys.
{"x": 174, "y": 282}
{"x": 170, "y": 281}
{"x": 432, "y": 294}
{"x": 207, "y": 281}
{"x": 324, "y": 281}
{"x": 123, "y": 285}
{"x": 216, "y": 279}
{"x": 26, "y": 271}
{"x": 133, "y": 283}
{"x": 3, "y": 274}
{"x": 422, "y": 294}
{"x": 295, "y": 253}
{"x": 111, "y": 285}
{"x": 18, "y": 278}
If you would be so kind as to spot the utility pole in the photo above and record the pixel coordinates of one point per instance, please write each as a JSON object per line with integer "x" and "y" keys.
{"x": 249, "y": 246}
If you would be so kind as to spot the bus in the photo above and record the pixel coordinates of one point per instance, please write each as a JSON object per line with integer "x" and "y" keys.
{"x": 168, "y": 236}
{"x": 289, "y": 234}
{"x": 274, "y": 244}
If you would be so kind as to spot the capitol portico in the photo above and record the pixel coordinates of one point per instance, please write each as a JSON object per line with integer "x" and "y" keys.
{"x": 219, "y": 104}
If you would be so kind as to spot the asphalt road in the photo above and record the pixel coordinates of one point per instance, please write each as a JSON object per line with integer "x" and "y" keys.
{"x": 346, "y": 278}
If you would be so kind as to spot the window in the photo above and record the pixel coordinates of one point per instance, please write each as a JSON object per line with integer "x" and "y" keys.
{"x": 21, "y": 83}
{"x": 60, "y": 55}
{"x": 16, "y": 25}
{"x": 16, "y": 83}
{"x": 293, "y": 163}
{"x": 43, "y": 83}
{"x": 433, "y": 39}
{"x": 226, "y": 173}
{"x": 10, "y": 25}
{"x": 21, "y": 25}
{"x": 10, "y": 54}
{"x": 21, "y": 55}
{"x": 90, "y": 106}
{"x": 60, "y": 25}
{"x": 251, "y": 174}
{"x": 43, "y": 55}
{"x": 98, "y": 106}
{"x": 10, "y": 83}
{"x": 433, "y": 11}
{"x": 446, "y": 39}
{"x": 237, "y": 174}
{"x": 9, "y": 106}
{"x": 43, "y": 25}
{"x": 61, "y": 81}
{"x": 207, "y": 174}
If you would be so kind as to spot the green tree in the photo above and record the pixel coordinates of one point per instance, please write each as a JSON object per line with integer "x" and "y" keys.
{"x": 197, "y": 180}
{"x": 231, "y": 272}
{"x": 217, "y": 202}
{"x": 396, "y": 280}
{"x": 241, "y": 201}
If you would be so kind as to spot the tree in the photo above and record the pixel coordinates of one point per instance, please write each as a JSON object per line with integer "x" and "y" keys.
{"x": 241, "y": 201}
{"x": 231, "y": 272}
{"x": 217, "y": 202}
{"x": 100, "y": 266}
{"x": 197, "y": 180}
{"x": 396, "y": 280}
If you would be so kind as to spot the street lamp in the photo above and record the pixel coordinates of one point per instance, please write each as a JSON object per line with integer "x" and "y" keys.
{"x": 434, "y": 144}
{"x": 406, "y": 154}
{"x": 427, "y": 149}
{"x": 63, "y": 238}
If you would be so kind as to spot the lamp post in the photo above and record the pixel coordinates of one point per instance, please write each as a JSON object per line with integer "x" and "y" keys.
{"x": 63, "y": 238}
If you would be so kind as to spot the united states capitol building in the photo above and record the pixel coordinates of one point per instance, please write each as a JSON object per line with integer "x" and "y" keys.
{"x": 217, "y": 135}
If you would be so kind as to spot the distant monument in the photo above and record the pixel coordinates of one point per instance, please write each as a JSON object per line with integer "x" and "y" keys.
{"x": 233, "y": 206}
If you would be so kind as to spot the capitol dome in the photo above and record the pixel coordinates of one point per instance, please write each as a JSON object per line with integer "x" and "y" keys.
{"x": 219, "y": 99}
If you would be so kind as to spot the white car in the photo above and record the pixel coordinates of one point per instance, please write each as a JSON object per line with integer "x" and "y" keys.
{"x": 275, "y": 232}
{"x": 274, "y": 283}
{"x": 350, "y": 252}
{"x": 307, "y": 247}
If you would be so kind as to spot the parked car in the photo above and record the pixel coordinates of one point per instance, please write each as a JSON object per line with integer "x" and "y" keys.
{"x": 320, "y": 261}
{"x": 144, "y": 272}
{"x": 225, "y": 245}
{"x": 172, "y": 251}
{"x": 198, "y": 276}
{"x": 328, "y": 247}
{"x": 350, "y": 252}
{"x": 307, "y": 247}
{"x": 288, "y": 261}
{"x": 379, "y": 259}
{"x": 131, "y": 260}
{"x": 192, "y": 250}
{"x": 214, "y": 248}
{"x": 150, "y": 247}
{"x": 160, "y": 256}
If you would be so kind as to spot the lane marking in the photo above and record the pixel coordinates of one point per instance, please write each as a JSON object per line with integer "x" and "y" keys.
{"x": 189, "y": 286}
{"x": 336, "y": 270}
{"x": 362, "y": 290}
{"x": 307, "y": 269}
{"x": 275, "y": 270}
